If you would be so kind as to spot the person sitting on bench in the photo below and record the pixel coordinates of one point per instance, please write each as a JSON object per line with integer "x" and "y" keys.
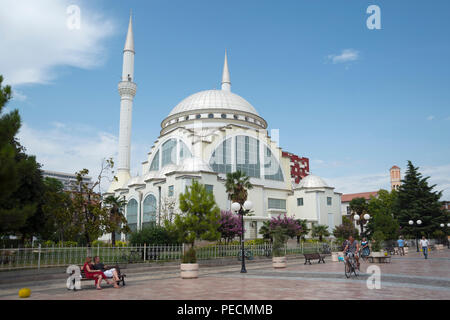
{"x": 110, "y": 272}
{"x": 96, "y": 275}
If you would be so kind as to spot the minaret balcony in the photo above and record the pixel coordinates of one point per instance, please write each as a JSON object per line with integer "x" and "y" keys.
{"x": 127, "y": 88}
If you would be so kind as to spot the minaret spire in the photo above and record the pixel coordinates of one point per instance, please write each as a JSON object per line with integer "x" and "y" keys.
{"x": 127, "y": 91}
{"x": 226, "y": 83}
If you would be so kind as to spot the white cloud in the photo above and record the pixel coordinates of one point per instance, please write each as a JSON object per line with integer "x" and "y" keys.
{"x": 346, "y": 55}
{"x": 18, "y": 95}
{"x": 431, "y": 117}
{"x": 439, "y": 175}
{"x": 70, "y": 148}
{"x": 36, "y": 39}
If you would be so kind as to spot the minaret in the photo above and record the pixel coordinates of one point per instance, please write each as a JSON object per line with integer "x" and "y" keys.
{"x": 226, "y": 83}
{"x": 127, "y": 91}
{"x": 395, "y": 178}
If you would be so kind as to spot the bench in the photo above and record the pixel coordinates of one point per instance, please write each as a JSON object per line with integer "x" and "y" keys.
{"x": 383, "y": 259}
{"x": 314, "y": 256}
{"x": 119, "y": 273}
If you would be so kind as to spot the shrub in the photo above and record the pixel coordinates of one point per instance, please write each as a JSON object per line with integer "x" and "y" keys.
{"x": 377, "y": 242}
{"x": 153, "y": 234}
{"x": 190, "y": 256}
{"x": 279, "y": 240}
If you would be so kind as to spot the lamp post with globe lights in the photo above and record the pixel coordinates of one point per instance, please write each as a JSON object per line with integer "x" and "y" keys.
{"x": 418, "y": 223}
{"x": 236, "y": 207}
{"x": 446, "y": 233}
{"x": 361, "y": 222}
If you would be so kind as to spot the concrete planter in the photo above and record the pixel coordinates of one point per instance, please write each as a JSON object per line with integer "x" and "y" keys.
{"x": 378, "y": 254}
{"x": 335, "y": 256}
{"x": 189, "y": 270}
{"x": 279, "y": 262}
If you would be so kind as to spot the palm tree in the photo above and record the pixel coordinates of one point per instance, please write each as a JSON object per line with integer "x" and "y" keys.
{"x": 116, "y": 205}
{"x": 320, "y": 231}
{"x": 303, "y": 231}
{"x": 236, "y": 186}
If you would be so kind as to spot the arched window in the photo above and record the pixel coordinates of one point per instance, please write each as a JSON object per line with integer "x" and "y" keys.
{"x": 235, "y": 116}
{"x": 223, "y": 115}
{"x": 155, "y": 163}
{"x": 198, "y": 116}
{"x": 187, "y": 118}
{"x": 149, "y": 210}
{"x": 184, "y": 151}
{"x": 272, "y": 169}
{"x": 246, "y": 158}
{"x": 210, "y": 115}
{"x": 221, "y": 158}
{"x": 169, "y": 154}
{"x": 132, "y": 214}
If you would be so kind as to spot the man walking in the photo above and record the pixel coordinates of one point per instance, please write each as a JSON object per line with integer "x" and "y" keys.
{"x": 401, "y": 246}
{"x": 424, "y": 245}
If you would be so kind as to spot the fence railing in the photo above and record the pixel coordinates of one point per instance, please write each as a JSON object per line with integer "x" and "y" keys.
{"x": 41, "y": 257}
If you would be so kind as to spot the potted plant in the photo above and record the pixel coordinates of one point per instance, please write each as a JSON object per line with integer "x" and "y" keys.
{"x": 377, "y": 241}
{"x": 279, "y": 240}
{"x": 199, "y": 220}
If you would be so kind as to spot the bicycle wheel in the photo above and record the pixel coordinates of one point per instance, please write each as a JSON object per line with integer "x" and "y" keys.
{"x": 355, "y": 269}
{"x": 347, "y": 269}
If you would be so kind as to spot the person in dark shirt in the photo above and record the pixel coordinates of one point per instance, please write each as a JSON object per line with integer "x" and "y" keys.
{"x": 109, "y": 272}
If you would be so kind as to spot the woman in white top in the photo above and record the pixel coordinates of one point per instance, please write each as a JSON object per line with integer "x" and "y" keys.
{"x": 424, "y": 245}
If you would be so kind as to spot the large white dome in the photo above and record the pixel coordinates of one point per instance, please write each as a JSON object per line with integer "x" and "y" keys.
{"x": 312, "y": 181}
{"x": 214, "y": 99}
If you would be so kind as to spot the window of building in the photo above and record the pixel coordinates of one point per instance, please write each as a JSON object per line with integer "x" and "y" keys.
{"x": 223, "y": 115}
{"x": 330, "y": 222}
{"x": 221, "y": 158}
{"x": 209, "y": 188}
{"x": 155, "y": 163}
{"x": 277, "y": 204}
{"x": 198, "y": 116}
{"x": 210, "y": 115}
{"x": 299, "y": 201}
{"x": 132, "y": 214}
{"x": 169, "y": 152}
{"x": 149, "y": 210}
{"x": 247, "y": 156}
{"x": 348, "y": 210}
{"x": 329, "y": 201}
{"x": 170, "y": 193}
{"x": 235, "y": 116}
{"x": 187, "y": 118}
{"x": 272, "y": 169}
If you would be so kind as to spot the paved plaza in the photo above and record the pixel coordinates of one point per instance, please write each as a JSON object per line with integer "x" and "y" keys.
{"x": 409, "y": 277}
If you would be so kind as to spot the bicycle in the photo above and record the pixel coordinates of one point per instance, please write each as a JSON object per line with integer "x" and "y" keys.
{"x": 351, "y": 266}
{"x": 248, "y": 254}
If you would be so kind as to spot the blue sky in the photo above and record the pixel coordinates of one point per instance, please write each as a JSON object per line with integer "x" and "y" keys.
{"x": 355, "y": 101}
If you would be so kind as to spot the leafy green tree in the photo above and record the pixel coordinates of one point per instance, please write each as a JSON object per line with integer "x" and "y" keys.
{"x": 280, "y": 237}
{"x": 320, "y": 231}
{"x": 118, "y": 222}
{"x": 381, "y": 210}
{"x": 200, "y": 215}
{"x": 346, "y": 229}
{"x": 265, "y": 231}
{"x": 20, "y": 176}
{"x": 237, "y": 185}
{"x": 417, "y": 201}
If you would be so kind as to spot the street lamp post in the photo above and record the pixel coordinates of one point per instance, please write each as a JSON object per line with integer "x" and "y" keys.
{"x": 236, "y": 207}
{"x": 418, "y": 222}
{"x": 366, "y": 218}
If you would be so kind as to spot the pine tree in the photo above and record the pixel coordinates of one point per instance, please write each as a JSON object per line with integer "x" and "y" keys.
{"x": 21, "y": 183}
{"x": 417, "y": 201}
{"x": 200, "y": 215}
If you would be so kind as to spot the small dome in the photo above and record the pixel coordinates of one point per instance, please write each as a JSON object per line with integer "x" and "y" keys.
{"x": 194, "y": 165}
{"x": 312, "y": 181}
{"x": 213, "y": 99}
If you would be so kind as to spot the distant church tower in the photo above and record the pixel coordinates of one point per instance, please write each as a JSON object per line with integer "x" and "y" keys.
{"x": 395, "y": 178}
{"x": 127, "y": 91}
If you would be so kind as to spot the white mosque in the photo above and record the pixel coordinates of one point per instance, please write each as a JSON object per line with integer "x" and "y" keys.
{"x": 204, "y": 137}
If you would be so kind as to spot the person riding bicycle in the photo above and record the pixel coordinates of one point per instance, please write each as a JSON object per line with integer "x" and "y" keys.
{"x": 351, "y": 247}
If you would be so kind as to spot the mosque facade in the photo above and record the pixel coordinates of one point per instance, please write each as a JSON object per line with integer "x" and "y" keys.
{"x": 204, "y": 137}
